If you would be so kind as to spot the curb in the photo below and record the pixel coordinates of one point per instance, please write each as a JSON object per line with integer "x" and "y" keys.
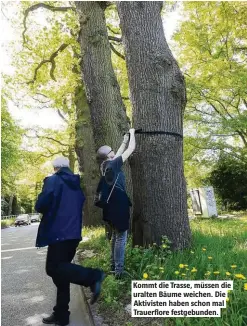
{"x": 84, "y": 298}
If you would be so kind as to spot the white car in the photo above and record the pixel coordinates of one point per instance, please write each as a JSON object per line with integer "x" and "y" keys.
{"x": 23, "y": 219}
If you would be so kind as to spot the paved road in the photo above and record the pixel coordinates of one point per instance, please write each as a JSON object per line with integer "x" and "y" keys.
{"x": 28, "y": 294}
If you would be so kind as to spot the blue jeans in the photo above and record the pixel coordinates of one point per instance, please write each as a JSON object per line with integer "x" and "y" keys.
{"x": 118, "y": 244}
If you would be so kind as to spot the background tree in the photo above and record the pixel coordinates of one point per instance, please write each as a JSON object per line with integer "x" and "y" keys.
{"x": 10, "y": 148}
{"x": 212, "y": 53}
{"x": 158, "y": 97}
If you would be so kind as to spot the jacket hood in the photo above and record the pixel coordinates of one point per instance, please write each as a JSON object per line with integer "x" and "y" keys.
{"x": 71, "y": 179}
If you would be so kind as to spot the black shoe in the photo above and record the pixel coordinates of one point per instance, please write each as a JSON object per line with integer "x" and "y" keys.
{"x": 51, "y": 320}
{"x": 96, "y": 288}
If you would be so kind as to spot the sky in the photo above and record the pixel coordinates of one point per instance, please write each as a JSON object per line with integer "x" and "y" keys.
{"x": 46, "y": 118}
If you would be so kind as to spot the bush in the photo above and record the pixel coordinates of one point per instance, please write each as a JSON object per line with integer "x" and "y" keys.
{"x": 229, "y": 179}
{"x": 6, "y": 223}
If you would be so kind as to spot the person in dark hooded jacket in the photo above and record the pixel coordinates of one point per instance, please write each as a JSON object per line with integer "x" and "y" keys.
{"x": 61, "y": 203}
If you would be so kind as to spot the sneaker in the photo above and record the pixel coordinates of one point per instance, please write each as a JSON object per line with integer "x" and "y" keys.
{"x": 51, "y": 320}
{"x": 96, "y": 288}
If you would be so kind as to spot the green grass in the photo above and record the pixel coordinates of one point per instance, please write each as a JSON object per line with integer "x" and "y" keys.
{"x": 223, "y": 240}
{"x": 6, "y": 223}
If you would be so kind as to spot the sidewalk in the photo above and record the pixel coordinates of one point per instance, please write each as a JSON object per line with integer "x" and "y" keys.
{"x": 78, "y": 308}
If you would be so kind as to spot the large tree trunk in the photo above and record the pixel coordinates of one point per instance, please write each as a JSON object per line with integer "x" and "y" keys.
{"x": 158, "y": 97}
{"x": 107, "y": 110}
{"x": 108, "y": 114}
{"x": 85, "y": 150}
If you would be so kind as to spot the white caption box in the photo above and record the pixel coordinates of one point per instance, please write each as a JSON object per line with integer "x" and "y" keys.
{"x": 179, "y": 298}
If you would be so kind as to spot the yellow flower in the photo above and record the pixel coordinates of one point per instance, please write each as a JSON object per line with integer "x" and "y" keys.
{"x": 216, "y": 272}
{"x": 233, "y": 266}
{"x": 207, "y": 273}
{"x": 210, "y": 257}
{"x": 227, "y": 299}
{"x": 192, "y": 252}
{"x": 164, "y": 246}
{"x": 177, "y": 272}
{"x": 185, "y": 265}
{"x": 245, "y": 286}
{"x": 204, "y": 249}
{"x": 181, "y": 266}
{"x": 183, "y": 274}
{"x": 228, "y": 274}
{"x": 240, "y": 276}
{"x": 194, "y": 270}
{"x": 145, "y": 275}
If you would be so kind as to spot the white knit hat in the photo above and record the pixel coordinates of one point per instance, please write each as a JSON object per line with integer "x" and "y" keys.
{"x": 61, "y": 162}
{"x": 103, "y": 151}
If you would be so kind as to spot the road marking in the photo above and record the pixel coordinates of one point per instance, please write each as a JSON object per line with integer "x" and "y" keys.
{"x": 17, "y": 249}
{"x": 7, "y": 257}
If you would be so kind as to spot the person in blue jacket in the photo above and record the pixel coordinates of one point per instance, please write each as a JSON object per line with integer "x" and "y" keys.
{"x": 61, "y": 203}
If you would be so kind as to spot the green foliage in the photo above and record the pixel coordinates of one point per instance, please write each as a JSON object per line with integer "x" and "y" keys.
{"x": 229, "y": 178}
{"x": 10, "y": 148}
{"x": 40, "y": 83}
{"x": 211, "y": 47}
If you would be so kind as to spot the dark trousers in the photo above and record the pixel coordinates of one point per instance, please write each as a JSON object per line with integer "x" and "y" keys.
{"x": 63, "y": 272}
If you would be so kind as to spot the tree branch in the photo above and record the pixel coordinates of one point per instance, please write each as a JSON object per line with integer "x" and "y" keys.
{"x": 37, "y": 6}
{"x": 62, "y": 116}
{"x": 41, "y": 102}
{"x": 116, "y": 39}
{"x": 222, "y": 105}
{"x": 49, "y": 138}
{"x": 48, "y": 156}
{"x": 116, "y": 52}
{"x": 241, "y": 135}
{"x": 245, "y": 102}
{"x": 50, "y": 60}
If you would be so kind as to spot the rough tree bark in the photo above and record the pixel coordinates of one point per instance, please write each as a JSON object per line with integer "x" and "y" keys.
{"x": 108, "y": 114}
{"x": 158, "y": 98}
{"x": 85, "y": 150}
{"x": 107, "y": 110}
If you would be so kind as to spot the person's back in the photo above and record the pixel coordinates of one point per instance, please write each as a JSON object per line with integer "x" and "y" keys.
{"x": 61, "y": 203}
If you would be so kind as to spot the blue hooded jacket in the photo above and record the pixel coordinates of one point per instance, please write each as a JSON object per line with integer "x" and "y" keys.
{"x": 61, "y": 203}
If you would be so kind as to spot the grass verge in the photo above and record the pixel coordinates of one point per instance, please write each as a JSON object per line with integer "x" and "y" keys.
{"x": 218, "y": 252}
